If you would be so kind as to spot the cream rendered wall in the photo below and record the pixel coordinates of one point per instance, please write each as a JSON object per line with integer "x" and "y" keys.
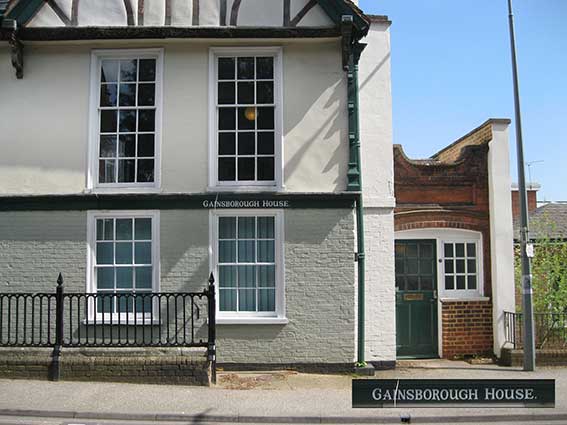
{"x": 44, "y": 117}
{"x": 377, "y": 182}
{"x": 501, "y": 230}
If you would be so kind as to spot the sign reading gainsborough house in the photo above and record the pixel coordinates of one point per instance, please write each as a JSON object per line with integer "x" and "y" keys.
{"x": 453, "y": 392}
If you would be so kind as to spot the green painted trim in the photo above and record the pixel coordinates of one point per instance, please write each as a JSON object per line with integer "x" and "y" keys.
{"x": 84, "y": 202}
{"x": 24, "y": 10}
{"x": 336, "y": 9}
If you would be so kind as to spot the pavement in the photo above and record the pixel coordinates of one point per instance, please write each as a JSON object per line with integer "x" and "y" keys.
{"x": 263, "y": 397}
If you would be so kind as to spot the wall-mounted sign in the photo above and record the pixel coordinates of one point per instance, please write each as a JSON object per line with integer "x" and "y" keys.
{"x": 246, "y": 203}
{"x": 453, "y": 392}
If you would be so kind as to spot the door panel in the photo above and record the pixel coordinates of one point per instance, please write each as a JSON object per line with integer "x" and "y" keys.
{"x": 416, "y": 298}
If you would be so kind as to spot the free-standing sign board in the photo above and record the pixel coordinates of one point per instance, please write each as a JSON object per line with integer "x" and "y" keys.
{"x": 453, "y": 392}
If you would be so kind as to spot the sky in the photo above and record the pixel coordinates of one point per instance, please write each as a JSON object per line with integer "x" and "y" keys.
{"x": 451, "y": 71}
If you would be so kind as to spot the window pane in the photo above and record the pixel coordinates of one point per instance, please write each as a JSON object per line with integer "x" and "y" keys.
{"x": 400, "y": 283}
{"x": 471, "y": 266}
{"x": 247, "y": 300}
{"x": 246, "y": 276}
{"x": 124, "y": 276}
{"x": 400, "y": 269}
{"x": 146, "y": 120}
{"x": 145, "y": 170}
{"x": 448, "y": 250}
{"x": 245, "y": 68}
{"x": 411, "y": 250}
{"x": 412, "y": 266}
{"x": 461, "y": 282}
{"x": 107, "y": 171}
{"x": 266, "y": 118}
{"x": 246, "y": 169}
{"x": 227, "y": 276}
{"x": 460, "y": 266}
{"x": 227, "y": 169}
{"x": 109, "y": 71}
{"x": 143, "y": 278}
{"x": 449, "y": 266}
{"x": 143, "y": 252}
{"x": 266, "y": 168}
{"x": 247, "y": 118}
{"x": 266, "y": 276}
{"x": 107, "y": 146}
{"x": 426, "y": 250}
{"x": 227, "y": 251}
{"x": 105, "y": 277}
{"x": 127, "y": 145}
{"x": 246, "y": 143}
{"x": 227, "y": 227}
{"x": 227, "y": 118}
{"x": 146, "y": 94}
{"x": 426, "y": 283}
{"x": 426, "y": 267}
{"x": 265, "y": 227}
{"x": 265, "y": 92}
{"x": 449, "y": 282}
{"x": 127, "y": 120}
{"x": 227, "y": 143}
{"x": 412, "y": 283}
{"x": 124, "y": 228}
{"x": 471, "y": 250}
{"x": 265, "y": 68}
{"x": 227, "y": 299}
{"x": 147, "y": 69}
{"x": 226, "y": 69}
{"x": 472, "y": 281}
{"x": 104, "y": 253}
{"x": 143, "y": 228}
{"x": 105, "y": 229}
{"x": 266, "y": 300}
{"x": 126, "y": 170}
{"x": 226, "y": 93}
{"x": 107, "y": 121}
{"x": 266, "y": 143}
{"x": 128, "y": 70}
{"x": 460, "y": 249}
{"x": 246, "y": 251}
{"x": 108, "y": 94}
{"x": 127, "y": 95}
{"x": 266, "y": 251}
{"x": 124, "y": 253}
{"x": 246, "y": 93}
{"x": 246, "y": 227}
{"x": 146, "y": 145}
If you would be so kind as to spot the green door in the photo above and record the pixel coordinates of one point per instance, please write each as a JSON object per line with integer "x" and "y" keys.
{"x": 416, "y": 298}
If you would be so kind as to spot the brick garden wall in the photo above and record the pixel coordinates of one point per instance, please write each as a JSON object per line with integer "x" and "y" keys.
{"x": 467, "y": 328}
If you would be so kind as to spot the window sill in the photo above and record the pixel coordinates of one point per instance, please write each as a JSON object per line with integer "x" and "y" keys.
{"x": 464, "y": 299}
{"x": 252, "y": 321}
{"x": 123, "y": 189}
{"x": 246, "y": 189}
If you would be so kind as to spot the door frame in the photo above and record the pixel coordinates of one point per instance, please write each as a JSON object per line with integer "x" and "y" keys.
{"x": 440, "y": 234}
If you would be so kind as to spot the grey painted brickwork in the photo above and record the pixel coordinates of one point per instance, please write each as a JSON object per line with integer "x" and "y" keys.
{"x": 319, "y": 276}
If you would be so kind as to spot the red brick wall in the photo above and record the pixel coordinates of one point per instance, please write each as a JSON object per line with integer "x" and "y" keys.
{"x": 532, "y": 202}
{"x": 451, "y": 191}
{"x": 467, "y": 328}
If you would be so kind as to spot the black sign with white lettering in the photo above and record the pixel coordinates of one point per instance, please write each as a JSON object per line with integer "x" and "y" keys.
{"x": 453, "y": 392}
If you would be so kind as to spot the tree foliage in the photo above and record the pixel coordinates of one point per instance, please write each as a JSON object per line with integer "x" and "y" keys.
{"x": 549, "y": 270}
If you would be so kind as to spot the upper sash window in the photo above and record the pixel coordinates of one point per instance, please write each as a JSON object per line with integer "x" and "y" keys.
{"x": 246, "y": 124}
{"x": 126, "y": 121}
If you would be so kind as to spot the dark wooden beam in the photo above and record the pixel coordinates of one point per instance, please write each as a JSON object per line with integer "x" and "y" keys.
{"x": 126, "y": 33}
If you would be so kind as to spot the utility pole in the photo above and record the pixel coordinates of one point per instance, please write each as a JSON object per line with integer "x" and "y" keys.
{"x": 528, "y": 312}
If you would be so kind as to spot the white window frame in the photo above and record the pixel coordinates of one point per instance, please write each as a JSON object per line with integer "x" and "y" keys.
{"x": 214, "y": 183}
{"x": 93, "y": 139}
{"x": 236, "y": 318}
{"x": 442, "y": 235}
{"x": 139, "y": 318}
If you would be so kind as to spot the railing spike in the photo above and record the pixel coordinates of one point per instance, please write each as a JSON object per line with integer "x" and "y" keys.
{"x": 60, "y": 279}
{"x": 211, "y": 278}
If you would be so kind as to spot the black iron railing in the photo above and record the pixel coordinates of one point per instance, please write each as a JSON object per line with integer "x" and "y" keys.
{"x": 142, "y": 319}
{"x": 550, "y": 330}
